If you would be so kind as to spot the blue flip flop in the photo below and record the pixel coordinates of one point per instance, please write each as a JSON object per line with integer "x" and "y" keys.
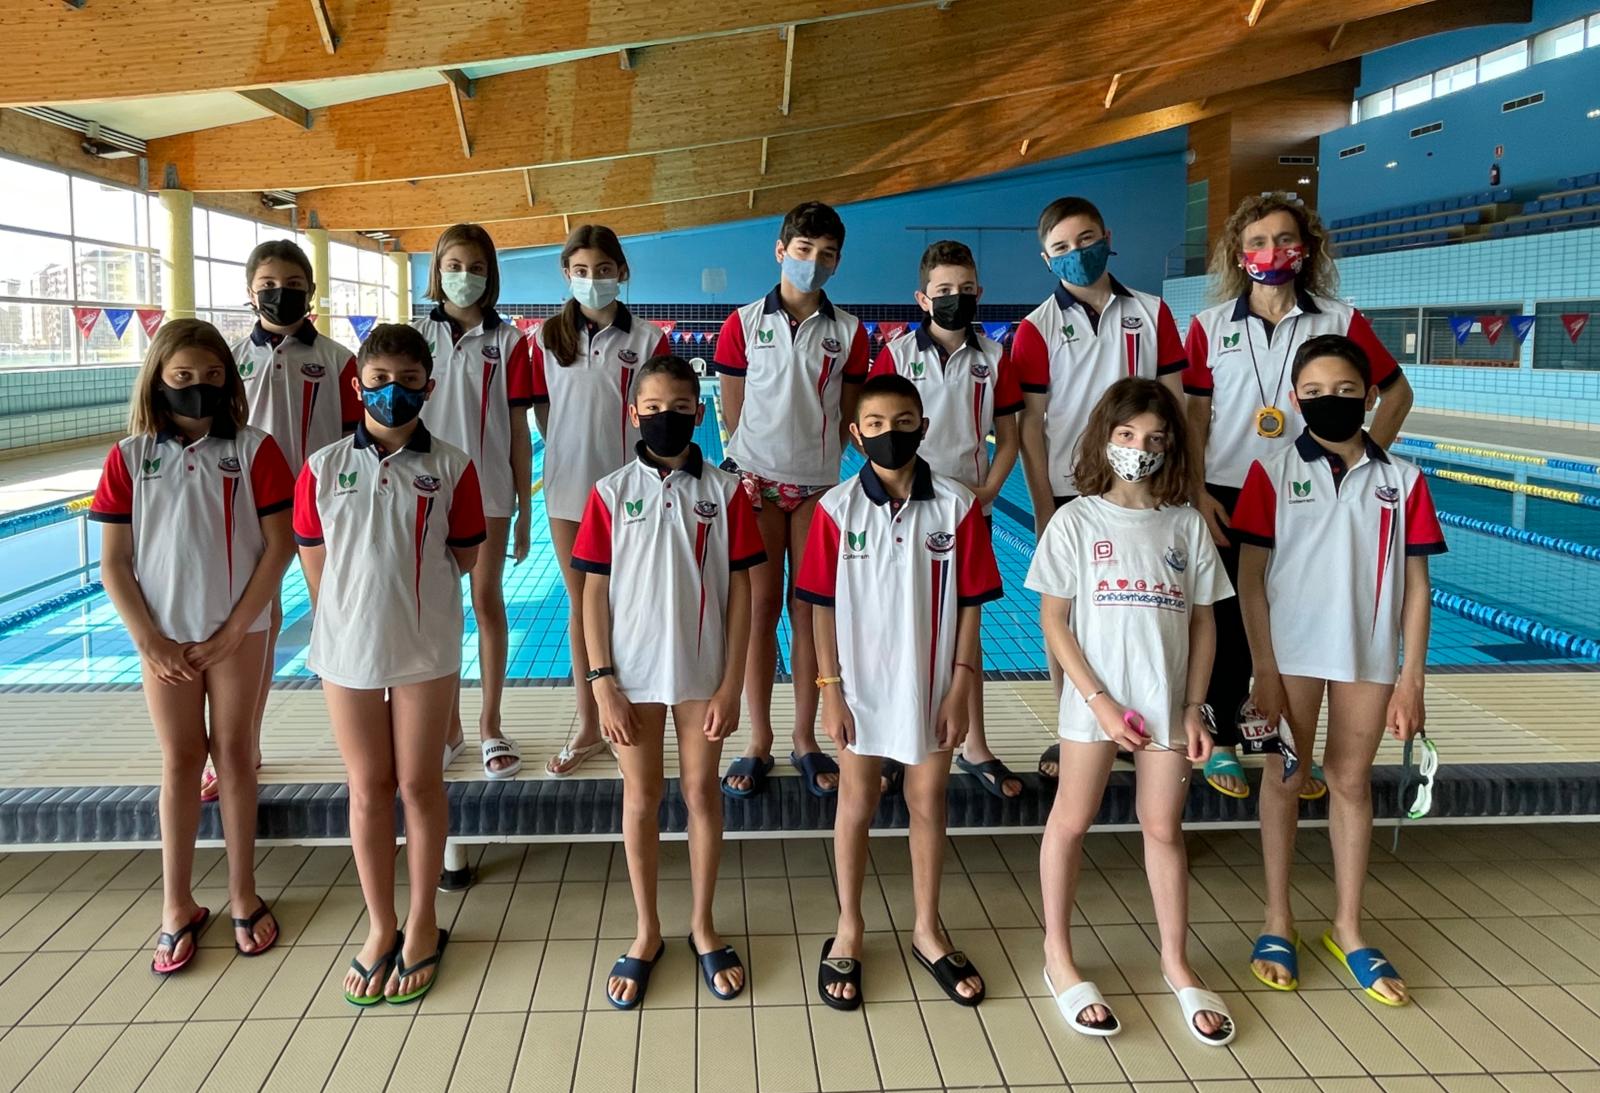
{"x": 1366, "y": 966}
{"x": 637, "y": 969}
{"x": 812, "y": 765}
{"x": 713, "y": 964}
{"x": 752, "y": 767}
{"x": 1282, "y": 951}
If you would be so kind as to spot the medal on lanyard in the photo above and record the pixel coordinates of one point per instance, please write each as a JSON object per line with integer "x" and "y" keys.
{"x": 1271, "y": 421}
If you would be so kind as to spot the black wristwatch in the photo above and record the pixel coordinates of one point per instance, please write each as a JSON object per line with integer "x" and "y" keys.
{"x": 599, "y": 673}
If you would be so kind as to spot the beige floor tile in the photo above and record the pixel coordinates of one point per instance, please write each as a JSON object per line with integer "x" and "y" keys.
{"x": 565, "y": 975}
{"x": 77, "y": 989}
{"x": 767, "y": 904}
{"x": 188, "y": 1060}
{"x": 549, "y": 1052}
{"x": 16, "y": 866}
{"x": 577, "y": 913}
{"x": 250, "y": 1056}
{"x": 1453, "y": 966}
{"x": 303, "y": 972}
{"x": 666, "y": 1050}
{"x": 780, "y": 974}
{"x": 1410, "y": 1084}
{"x": 805, "y": 857}
{"x": 1003, "y": 899}
{"x": 90, "y": 921}
{"x": 1085, "y": 1059}
{"x": 1530, "y": 1032}
{"x": 529, "y": 913}
{"x": 334, "y": 919}
{"x": 487, "y": 1057}
{"x": 844, "y": 1057}
{"x": 891, "y": 853}
{"x": 501, "y": 863}
{"x": 430, "y": 1051}
{"x": 1476, "y": 1034}
{"x": 1296, "y": 1026}
{"x": 325, "y": 865}
{"x": 1573, "y": 940}
{"x": 1096, "y": 902}
{"x": 986, "y": 952}
{"x": 70, "y": 1059}
{"x": 1018, "y": 1042}
{"x": 1447, "y": 879}
{"x": 590, "y": 861}
{"x": 14, "y": 907}
{"x": 1140, "y": 1047}
{"x": 960, "y": 1047}
{"x": 1530, "y": 1083}
{"x": 35, "y": 978}
{"x": 1355, "y": 1021}
{"x": 1527, "y": 940}
{"x": 1198, "y": 1061}
{"x": 126, "y": 1062}
{"x": 1024, "y": 951}
{"x": 241, "y": 984}
{"x": 460, "y": 978}
{"x": 900, "y": 1042}
{"x": 508, "y": 984}
{"x": 1576, "y": 1022}
{"x": 46, "y": 916}
{"x": 368, "y": 1056}
{"x": 309, "y": 1056}
{"x": 1490, "y": 953}
{"x": 1469, "y": 1083}
{"x": 814, "y": 902}
{"x": 1135, "y": 956}
{"x": 784, "y": 1062}
{"x": 22, "y": 1048}
{"x": 725, "y": 1055}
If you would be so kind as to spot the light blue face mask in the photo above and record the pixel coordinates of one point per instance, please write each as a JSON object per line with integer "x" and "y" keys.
{"x": 1082, "y": 267}
{"x": 807, "y": 275}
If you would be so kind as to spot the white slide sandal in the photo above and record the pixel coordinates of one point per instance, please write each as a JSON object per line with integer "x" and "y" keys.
{"x": 495, "y": 748}
{"x": 1197, "y": 1000}
{"x": 451, "y": 752}
{"x": 1077, "y": 998}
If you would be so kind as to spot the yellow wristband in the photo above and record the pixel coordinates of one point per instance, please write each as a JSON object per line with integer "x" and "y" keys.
{"x": 827, "y": 681}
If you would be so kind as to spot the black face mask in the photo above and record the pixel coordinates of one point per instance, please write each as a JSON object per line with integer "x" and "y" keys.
{"x": 198, "y": 400}
{"x": 667, "y": 433}
{"x": 955, "y": 311}
{"x": 1335, "y": 418}
{"x": 893, "y": 448}
{"x": 282, "y": 306}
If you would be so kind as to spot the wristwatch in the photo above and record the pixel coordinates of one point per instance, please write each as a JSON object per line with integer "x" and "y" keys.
{"x": 599, "y": 673}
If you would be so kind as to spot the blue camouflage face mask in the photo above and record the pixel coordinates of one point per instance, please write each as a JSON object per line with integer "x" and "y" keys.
{"x": 392, "y": 404}
{"x": 807, "y": 275}
{"x": 1082, "y": 267}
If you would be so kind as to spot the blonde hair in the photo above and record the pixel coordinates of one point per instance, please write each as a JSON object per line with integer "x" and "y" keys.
{"x": 145, "y": 413}
{"x": 473, "y": 235}
{"x": 1318, "y": 276}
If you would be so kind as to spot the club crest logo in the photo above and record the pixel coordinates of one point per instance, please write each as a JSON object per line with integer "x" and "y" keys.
{"x": 1302, "y": 489}
{"x": 634, "y": 509}
{"x": 1389, "y": 495}
{"x": 1132, "y": 322}
{"x": 628, "y": 356}
{"x": 831, "y": 345}
{"x": 491, "y": 352}
{"x": 981, "y": 370}
{"x": 426, "y": 483}
{"x": 348, "y": 481}
{"x": 311, "y": 370}
{"x": 228, "y": 464}
{"x": 706, "y": 510}
{"x": 940, "y": 542}
{"x": 1177, "y": 558}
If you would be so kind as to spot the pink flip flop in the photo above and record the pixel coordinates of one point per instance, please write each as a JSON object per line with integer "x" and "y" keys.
{"x": 172, "y": 940}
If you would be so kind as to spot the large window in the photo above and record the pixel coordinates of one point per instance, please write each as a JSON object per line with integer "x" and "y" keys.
{"x": 1399, "y": 329}
{"x": 72, "y": 243}
{"x": 1503, "y": 61}
{"x": 1457, "y": 77}
{"x": 1443, "y": 345}
{"x": 1559, "y": 42}
{"x": 361, "y": 282}
{"x": 1553, "y": 344}
{"x": 1412, "y": 92}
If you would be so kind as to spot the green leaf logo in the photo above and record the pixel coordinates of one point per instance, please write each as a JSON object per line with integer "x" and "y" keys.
{"x": 348, "y": 481}
{"x": 765, "y": 336}
{"x": 152, "y": 466}
{"x": 1302, "y": 489}
{"x": 1230, "y": 341}
{"x": 634, "y": 508}
{"x": 857, "y": 540}
{"x": 918, "y": 369}
{"x": 1070, "y": 332}
{"x": 247, "y": 369}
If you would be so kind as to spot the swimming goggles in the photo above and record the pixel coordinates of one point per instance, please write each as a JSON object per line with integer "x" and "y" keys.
{"x": 1425, "y": 772}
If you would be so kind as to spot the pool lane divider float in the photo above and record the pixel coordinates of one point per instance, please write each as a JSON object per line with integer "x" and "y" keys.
{"x": 1523, "y": 536}
{"x": 61, "y": 602}
{"x": 1553, "y": 462}
{"x": 1561, "y": 642}
{"x": 44, "y": 516}
{"x": 1549, "y": 493}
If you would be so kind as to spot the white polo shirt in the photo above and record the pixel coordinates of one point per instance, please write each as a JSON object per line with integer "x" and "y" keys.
{"x": 299, "y": 388}
{"x": 1242, "y": 366}
{"x": 962, "y": 395}
{"x": 1134, "y": 577}
{"x": 896, "y": 575}
{"x": 196, "y": 512}
{"x": 389, "y": 608}
{"x": 1339, "y": 538}
{"x": 479, "y": 382}
{"x": 587, "y": 434}
{"x": 1064, "y": 350}
{"x": 794, "y": 375}
{"x": 668, "y": 539}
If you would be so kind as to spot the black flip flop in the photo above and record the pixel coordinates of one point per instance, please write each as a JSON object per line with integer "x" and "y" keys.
{"x": 844, "y": 969}
{"x": 753, "y": 767}
{"x": 171, "y": 941}
{"x": 402, "y": 969}
{"x": 893, "y": 772}
{"x": 715, "y": 963}
{"x": 949, "y": 970}
{"x": 637, "y": 969}
{"x": 380, "y": 970}
{"x": 249, "y": 925}
{"x": 812, "y": 765}
{"x": 1052, "y": 754}
{"x": 991, "y": 774}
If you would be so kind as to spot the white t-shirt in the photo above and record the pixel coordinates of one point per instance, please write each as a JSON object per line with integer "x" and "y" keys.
{"x": 1133, "y": 576}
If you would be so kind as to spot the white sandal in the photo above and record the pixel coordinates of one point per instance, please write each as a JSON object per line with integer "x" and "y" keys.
{"x": 452, "y": 751}
{"x": 1197, "y": 1000}
{"x": 497, "y": 747}
{"x": 1079, "y": 997}
{"x": 576, "y": 756}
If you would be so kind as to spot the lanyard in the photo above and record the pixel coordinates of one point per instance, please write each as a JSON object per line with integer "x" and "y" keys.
{"x": 1288, "y": 351}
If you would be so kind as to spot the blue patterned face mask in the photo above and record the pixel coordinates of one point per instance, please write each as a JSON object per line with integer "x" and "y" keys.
{"x": 806, "y": 275}
{"x": 1082, "y": 267}
{"x": 392, "y": 404}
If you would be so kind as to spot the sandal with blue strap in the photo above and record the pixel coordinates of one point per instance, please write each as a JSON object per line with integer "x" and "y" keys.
{"x": 1282, "y": 951}
{"x": 716, "y": 962}
{"x": 637, "y": 969}
{"x": 1225, "y": 764}
{"x": 1366, "y": 966}
{"x": 754, "y": 767}
{"x": 813, "y": 765}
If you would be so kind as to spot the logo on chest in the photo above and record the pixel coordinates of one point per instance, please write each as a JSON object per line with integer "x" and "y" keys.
{"x": 426, "y": 483}
{"x": 1230, "y": 342}
{"x": 764, "y": 338}
{"x": 940, "y": 542}
{"x": 1133, "y": 322}
{"x": 919, "y": 369}
{"x": 706, "y": 510}
{"x": 831, "y": 346}
{"x": 311, "y": 370}
{"x": 855, "y": 545}
{"x": 1069, "y": 333}
{"x": 1302, "y": 492}
{"x": 981, "y": 371}
{"x": 1177, "y": 558}
{"x": 229, "y": 465}
{"x": 628, "y": 356}
{"x": 491, "y": 352}
{"x": 347, "y": 483}
{"x": 1162, "y": 595}
{"x": 633, "y": 510}
{"x": 1389, "y": 495}
{"x": 151, "y": 468}
{"x": 247, "y": 369}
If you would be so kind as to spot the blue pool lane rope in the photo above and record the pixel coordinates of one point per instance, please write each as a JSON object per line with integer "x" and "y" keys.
{"x": 1561, "y": 642}
{"x": 43, "y": 608}
{"x": 1523, "y": 536}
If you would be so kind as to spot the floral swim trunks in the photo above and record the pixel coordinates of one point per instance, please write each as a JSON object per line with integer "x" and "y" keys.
{"x": 785, "y": 495}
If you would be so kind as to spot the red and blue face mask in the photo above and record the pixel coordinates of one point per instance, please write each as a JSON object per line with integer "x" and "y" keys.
{"x": 1274, "y": 265}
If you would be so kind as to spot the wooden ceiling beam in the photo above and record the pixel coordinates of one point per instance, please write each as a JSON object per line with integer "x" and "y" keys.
{"x": 324, "y": 22}
{"x": 285, "y": 108}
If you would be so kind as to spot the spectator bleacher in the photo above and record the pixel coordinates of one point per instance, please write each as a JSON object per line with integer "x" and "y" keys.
{"x": 1574, "y": 203}
{"x": 1428, "y": 223}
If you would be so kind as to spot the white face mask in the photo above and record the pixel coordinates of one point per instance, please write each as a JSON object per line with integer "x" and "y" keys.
{"x": 1133, "y": 464}
{"x": 462, "y": 288}
{"x": 595, "y": 293}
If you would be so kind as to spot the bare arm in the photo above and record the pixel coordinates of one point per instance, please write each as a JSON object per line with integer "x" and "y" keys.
{"x": 163, "y": 655}
{"x": 1173, "y": 381}
{"x": 1268, "y": 694}
{"x": 954, "y": 716}
{"x": 312, "y": 559}
{"x": 837, "y": 720}
{"x": 1406, "y": 715}
{"x": 541, "y": 418}
{"x": 1007, "y": 443}
{"x": 722, "y": 712}
{"x": 1064, "y": 646}
{"x": 1198, "y": 411}
{"x": 732, "y": 400}
{"x": 263, "y": 586}
{"x": 1393, "y": 406}
{"x": 522, "y": 459}
{"x": 618, "y": 722}
{"x": 1036, "y": 459}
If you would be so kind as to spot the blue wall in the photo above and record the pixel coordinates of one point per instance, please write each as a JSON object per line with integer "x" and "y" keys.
{"x": 1139, "y": 186}
{"x": 1410, "y": 59}
{"x": 1542, "y": 143}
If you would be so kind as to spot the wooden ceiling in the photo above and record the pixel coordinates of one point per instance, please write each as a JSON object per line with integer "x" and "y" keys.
{"x": 698, "y": 113}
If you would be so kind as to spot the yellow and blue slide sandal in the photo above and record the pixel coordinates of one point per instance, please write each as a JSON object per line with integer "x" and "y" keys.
{"x": 1283, "y": 951}
{"x": 1366, "y": 966}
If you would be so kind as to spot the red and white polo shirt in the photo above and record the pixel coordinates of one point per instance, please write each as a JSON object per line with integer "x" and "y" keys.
{"x": 794, "y": 373}
{"x": 896, "y": 575}
{"x": 299, "y": 388}
{"x": 389, "y": 608}
{"x": 587, "y": 434}
{"x": 962, "y": 395}
{"x": 1063, "y": 350}
{"x": 1339, "y": 537}
{"x": 479, "y": 382}
{"x": 668, "y": 539}
{"x": 1242, "y": 366}
{"x": 196, "y": 512}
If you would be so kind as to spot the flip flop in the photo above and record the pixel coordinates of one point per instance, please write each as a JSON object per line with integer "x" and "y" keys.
{"x": 638, "y": 970}
{"x": 754, "y": 767}
{"x": 811, "y": 766}
{"x": 1077, "y": 998}
{"x": 210, "y": 788}
{"x": 402, "y": 969}
{"x": 894, "y": 773}
{"x": 1197, "y": 1000}
{"x": 949, "y": 970}
{"x": 1314, "y": 775}
{"x": 171, "y": 941}
{"x": 249, "y": 925}
{"x": 1224, "y": 764}
{"x": 842, "y": 969}
{"x": 1052, "y": 754}
{"x": 576, "y": 756}
{"x": 451, "y": 751}
{"x": 714, "y": 963}
{"x": 1283, "y": 951}
{"x": 495, "y": 748}
{"x": 992, "y": 774}
{"x": 385, "y": 964}
{"x": 1366, "y": 967}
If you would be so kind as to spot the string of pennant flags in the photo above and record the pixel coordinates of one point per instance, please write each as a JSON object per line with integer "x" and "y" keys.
{"x": 886, "y": 331}
{"x": 1492, "y": 326}
{"x": 87, "y": 318}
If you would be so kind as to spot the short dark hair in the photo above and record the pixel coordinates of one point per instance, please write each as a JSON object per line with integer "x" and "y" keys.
{"x": 1331, "y": 345}
{"x": 890, "y": 386}
{"x": 284, "y": 250}
{"x": 946, "y": 252}
{"x": 395, "y": 340}
{"x": 1062, "y": 208}
{"x": 814, "y": 220}
{"x": 670, "y": 365}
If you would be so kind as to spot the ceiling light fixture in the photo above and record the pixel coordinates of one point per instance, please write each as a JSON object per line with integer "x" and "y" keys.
{"x": 1305, "y": 181}
{"x": 1594, "y": 113}
{"x": 1392, "y": 163}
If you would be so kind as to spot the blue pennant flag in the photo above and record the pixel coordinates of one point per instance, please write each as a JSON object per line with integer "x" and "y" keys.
{"x": 1520, "y": 325}
{"x": 119, "y": 317}
{"x": 1462, "y": 325}
{"x": 910, "y": 327}
{"x": 997, "y": 331}
{"x": 872, "y": 329}
{"x": 362, "y": 325}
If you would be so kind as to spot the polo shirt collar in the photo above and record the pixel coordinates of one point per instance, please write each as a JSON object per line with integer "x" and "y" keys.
{"x": 925, "y": 340}
{"x": 692, "y": 467}
{"x": 1066, "y": 300}
{"x": 306, "y": 333}
{"x": 421, "y": 440}
{"x": 921, "y": 483}
{"x": 222, "y": 428}
{"x": 623, "y": 319}
{"x": 1311, "y": 451}
{"x": 774, "y": 303}
{"x": 1302, "y": 299}
{"x": 491, "y": 318}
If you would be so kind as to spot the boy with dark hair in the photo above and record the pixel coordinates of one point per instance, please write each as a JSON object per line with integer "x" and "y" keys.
{"x": 897, "y": 565}
{"x": 789, "y": 363}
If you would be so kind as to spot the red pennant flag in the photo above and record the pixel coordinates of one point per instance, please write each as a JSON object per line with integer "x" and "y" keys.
{"x": 667, "y": 326}
{"x": 86, "y": 318}
{"x": 890, "y": 331}
{"x": 528, "y": 325}
{"x": 1492, "y": 326}
{"x": 150, "y": 318}
{"x": 1575, "y": 323}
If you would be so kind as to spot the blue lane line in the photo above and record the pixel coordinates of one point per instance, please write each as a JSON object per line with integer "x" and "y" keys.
{"x": 1522, "y": 536}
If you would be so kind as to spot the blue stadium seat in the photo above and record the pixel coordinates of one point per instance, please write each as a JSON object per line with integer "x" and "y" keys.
{"x": 1498, "y": 229}
{"x": 1592, "y": 198}
{"x": 1549, "y": 203}
{"x": 1564, "y": 184}
{"x": 1471, "y": 216}
{"x": 1558, "y": 221}
{"x": 1572, "y": 201}
{"x": 1530, "y": 206}
{"x": 1583, "y": 182}
{"x": 1503, "y": 194}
